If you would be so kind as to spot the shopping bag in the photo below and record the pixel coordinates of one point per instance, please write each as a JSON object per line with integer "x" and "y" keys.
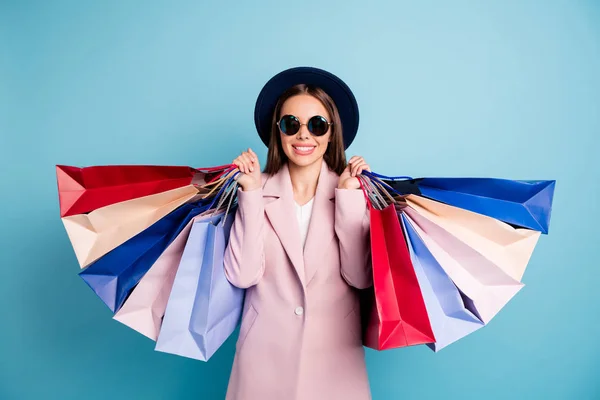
{"x": 449, "y": 317}
{"x": 509, "y": 248}
{"x": 527, "y": 204}
{"x": 397, "y": 315}
{"x": 113, "y": 276}
{"x": 203, "y": 308}
{"x": 145, "y": 307}
{"x": 95, "y": 234}
{"x": 483, "y": 283}
{"x": 81, "y": 190}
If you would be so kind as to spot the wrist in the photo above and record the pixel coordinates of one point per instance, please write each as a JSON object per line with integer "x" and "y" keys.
{"x": 249, "y": 188}
{"x": 345, "y": 186}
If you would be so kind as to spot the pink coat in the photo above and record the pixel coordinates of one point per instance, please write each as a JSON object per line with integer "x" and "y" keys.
{"x": 300, "y": 337}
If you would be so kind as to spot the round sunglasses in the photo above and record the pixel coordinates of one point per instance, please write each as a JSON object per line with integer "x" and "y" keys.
{"x": 317, "y": 125}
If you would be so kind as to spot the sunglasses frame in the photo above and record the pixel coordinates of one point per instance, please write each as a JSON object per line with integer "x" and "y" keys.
{"x": 300, "y": 127}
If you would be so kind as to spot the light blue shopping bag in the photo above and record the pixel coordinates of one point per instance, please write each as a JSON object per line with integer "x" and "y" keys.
{"x": 204, "y": 308}
{"x": 450, "y": 318}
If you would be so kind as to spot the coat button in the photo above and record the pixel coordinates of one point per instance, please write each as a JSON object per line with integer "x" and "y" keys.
{"x": 299, "y": 311}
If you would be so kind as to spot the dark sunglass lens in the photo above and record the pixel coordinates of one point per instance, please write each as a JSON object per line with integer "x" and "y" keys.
{"x": 318, "y": 125}
{"x": 289, "y": 125}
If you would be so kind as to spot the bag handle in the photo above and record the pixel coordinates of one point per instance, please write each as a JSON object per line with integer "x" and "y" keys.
{"x": 389, "y": 178}
{"x": 371, "y": 194}
{"x": 218, "y": 175}
{"x": 375, "y": 178}
{"x": 364, "y": 191}
{"x": 224, "y": 187}
{"x": 376, "y": 196}
{"x": 217, "y": 168}
{"x": 231, "y": 187}
{"x": 229, "y": 193}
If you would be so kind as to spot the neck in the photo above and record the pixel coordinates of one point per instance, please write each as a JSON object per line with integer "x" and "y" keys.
{"x": 304, "y": 180}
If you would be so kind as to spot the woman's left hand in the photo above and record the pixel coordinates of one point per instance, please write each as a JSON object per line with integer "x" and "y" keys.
{"x": 348, "y": 179}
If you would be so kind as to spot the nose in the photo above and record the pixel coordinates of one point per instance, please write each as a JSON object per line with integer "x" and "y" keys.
{"x": 303, "y": 133}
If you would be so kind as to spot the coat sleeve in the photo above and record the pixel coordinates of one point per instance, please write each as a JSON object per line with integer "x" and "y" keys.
{"x": 244, "y": 259}
{"x": 352, "y": 230}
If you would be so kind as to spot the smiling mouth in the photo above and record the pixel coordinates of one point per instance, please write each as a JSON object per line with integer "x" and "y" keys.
{"x": 303, "y": 150}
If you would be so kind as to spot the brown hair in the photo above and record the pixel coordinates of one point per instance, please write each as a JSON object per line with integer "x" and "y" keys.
{"x": 335, "y": 156}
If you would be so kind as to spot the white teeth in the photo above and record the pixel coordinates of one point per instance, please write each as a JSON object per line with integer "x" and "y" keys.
{"x": 304, "y": 148}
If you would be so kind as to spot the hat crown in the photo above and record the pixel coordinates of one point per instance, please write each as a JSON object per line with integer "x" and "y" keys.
{"x": 337, "y": 89}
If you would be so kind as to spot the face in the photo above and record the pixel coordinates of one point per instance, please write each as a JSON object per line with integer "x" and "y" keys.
{"x": 303, "y": 148}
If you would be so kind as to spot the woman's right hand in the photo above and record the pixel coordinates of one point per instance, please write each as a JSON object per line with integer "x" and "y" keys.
{"x": 250, "y": 177}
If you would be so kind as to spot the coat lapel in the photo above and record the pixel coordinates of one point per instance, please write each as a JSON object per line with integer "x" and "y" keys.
{"x": 321, "y": 227}
{"x": 282, "y": 216}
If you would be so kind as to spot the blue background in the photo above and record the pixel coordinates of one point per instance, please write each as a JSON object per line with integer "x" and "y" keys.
{"x": 504, "y": 89}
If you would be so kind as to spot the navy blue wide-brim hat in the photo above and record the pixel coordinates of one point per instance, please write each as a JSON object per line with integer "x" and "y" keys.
{"x": 332, "y": 85}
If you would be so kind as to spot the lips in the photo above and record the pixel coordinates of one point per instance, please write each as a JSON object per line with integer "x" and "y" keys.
{"x": 303, "y": 150}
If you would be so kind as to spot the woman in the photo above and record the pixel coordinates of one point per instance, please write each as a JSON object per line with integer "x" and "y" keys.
{"x": 300, "y": 246}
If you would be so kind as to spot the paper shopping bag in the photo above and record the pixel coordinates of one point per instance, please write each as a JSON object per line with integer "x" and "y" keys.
{"x": 486, "y": 286}
{"x": 204, "y": 308}
{"x": 95, "y": 234}
{"x": 397, "y": 316}
{"x": 449, "y": 317}
{"x": 81, "y": 190}
{"x": 113, "y": 276}
{"x": 526, "y": 204}
{"x": 507, "y": 247}
{"x": 145, "y": 307}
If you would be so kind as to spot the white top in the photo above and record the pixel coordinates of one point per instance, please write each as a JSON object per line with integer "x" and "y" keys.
{"x": 303, "y": 215}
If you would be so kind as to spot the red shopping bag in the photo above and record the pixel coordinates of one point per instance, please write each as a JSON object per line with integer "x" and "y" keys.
{"x": 394, "y": 308}
{"x": 82, "y": 190}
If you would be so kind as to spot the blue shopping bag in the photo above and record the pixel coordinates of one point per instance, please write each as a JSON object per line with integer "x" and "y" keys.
{"x": 113, "y": 276}
{"x": 527, "y": 204}
{"x": 204, "y": 308}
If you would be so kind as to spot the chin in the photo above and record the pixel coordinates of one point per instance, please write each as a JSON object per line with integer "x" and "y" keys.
{"x": 303, "y": 162}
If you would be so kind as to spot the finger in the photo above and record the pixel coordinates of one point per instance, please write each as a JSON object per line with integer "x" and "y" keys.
{"x": 250, "y": 154}
{"x": 253, "y": 154}
{"x": 243, "y": 164}
{"x": 353, "y": 172}
{"x": 248, "y": 161}
{"x": 354, "y": 160}
{"x": 249, "y": 165}
{"x": 239, "y": 164}
{"x": 239, "y": 161}
{"x": 363, "y": 167}
{"x": 356, "y": 166}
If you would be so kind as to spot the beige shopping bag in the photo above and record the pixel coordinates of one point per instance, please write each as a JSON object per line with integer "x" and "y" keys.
{"x": 95, "y": 234}
{"x": 508, "y": 248}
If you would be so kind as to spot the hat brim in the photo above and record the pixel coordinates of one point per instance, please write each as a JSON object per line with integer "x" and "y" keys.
{"x": 332, "y": 85}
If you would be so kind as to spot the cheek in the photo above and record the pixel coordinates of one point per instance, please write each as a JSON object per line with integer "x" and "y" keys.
{"x": 286, "y": 144}
{"x": 285, "y": 140}
{"x": 323, "y": 141}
